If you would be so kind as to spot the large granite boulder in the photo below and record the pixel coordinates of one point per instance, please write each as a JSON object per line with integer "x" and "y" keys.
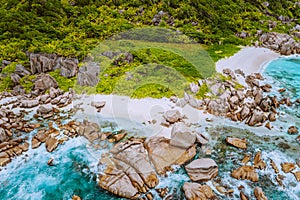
{"x": 196, "y": 191}
{"x": 89, "y": 130}
{"x": 51, "y": 144}
{"x": 88, "y": 74}
{"x": 68, "y": 67}
{"x": 163, "y": 155}
{"x": 257, "y": 118}
{"x": 44, "y": 109}
{"x": 181, "y": 136}
{"x": 134, "y": 154}
{"x": 44, "y": 82}
{"x": 202, "y": 169}
{"x": 117, "y": 182}
{"x": 172, "y": 116}
{"x": 129, "y": 172}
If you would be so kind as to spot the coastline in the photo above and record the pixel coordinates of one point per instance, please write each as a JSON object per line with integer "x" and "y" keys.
{"x": 248, "y": 59}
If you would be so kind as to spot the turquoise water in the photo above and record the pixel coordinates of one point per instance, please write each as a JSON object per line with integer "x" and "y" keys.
{"x": 29, "y": 177}
{"x": 75, "y": 169}
{"x": 285, "y": 72}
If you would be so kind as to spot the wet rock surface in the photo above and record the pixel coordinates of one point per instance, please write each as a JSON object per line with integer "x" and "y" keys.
{"x": 195, "y": 191}
{"x": 202, "y": 169}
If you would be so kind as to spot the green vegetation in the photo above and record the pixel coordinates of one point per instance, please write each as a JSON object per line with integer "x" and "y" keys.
{"x": 27, "y": 82}
{"x": 63, "y": 82}
{"x": 77, "y": 28}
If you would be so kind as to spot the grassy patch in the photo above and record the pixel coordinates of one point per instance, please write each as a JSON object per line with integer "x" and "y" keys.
{"x": 218, "y": 52}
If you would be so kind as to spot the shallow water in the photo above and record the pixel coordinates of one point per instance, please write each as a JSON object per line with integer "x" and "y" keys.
{"x": 75, "y": 169}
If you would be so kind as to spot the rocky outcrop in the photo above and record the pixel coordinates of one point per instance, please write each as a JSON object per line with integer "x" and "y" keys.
{"x": 259, "y": 194}
{"x": 196, "y": 191}
{"x": 21, "y": 70}
{"x": 282, "y": 43}
{"x": 44, "y": 82}
{"x": 89, "y": 130}
{"x": 46, "y": 136}
{"x": 163, "y": 155}
{"x": 239, "y": 143}
{"x": 202, "y": 169}
{"x": 3, "y": 136}
{"x": 15, "y": 78}
{"x": 245, "y": 172}
{"x": 132, "y": 169}
{"x": 44, "y": 109}
{"x": 181, "y": 136}
{"x": 29, "y": 103}
{"x": 11, "y": 149}
{"x": 88, "y": 74}
{"x": 51, "y": 144}
{"x": 41, "y": 63}
{"x": 160, "y": 16}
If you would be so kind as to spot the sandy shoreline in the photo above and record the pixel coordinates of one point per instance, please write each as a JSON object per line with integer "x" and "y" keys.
{"x": 248, "y": 59}
{"x": 146, "y": 113}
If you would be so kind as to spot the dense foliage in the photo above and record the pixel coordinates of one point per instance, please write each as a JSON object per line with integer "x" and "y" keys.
{"x": 72, "y": 28}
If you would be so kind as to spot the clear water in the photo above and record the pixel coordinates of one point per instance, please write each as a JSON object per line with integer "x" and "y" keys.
{"x": 75, "y": 169}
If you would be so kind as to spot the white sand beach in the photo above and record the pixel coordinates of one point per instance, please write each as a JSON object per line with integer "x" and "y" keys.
{"x": 248, "y": 59}
{"x": 146, "y": 113}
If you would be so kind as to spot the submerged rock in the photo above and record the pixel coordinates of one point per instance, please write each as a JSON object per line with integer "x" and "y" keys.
{"x": 196, "y": 191}
{"x": 243, "y": 196}
{"x": 202, "y": 169}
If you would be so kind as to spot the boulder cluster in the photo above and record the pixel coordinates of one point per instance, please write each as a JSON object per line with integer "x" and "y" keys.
{"x": 250, "y": 103}
{"x": 41, "y": 63}
{"x": 133, "y": 166}
{"x": 281, "y": 43}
